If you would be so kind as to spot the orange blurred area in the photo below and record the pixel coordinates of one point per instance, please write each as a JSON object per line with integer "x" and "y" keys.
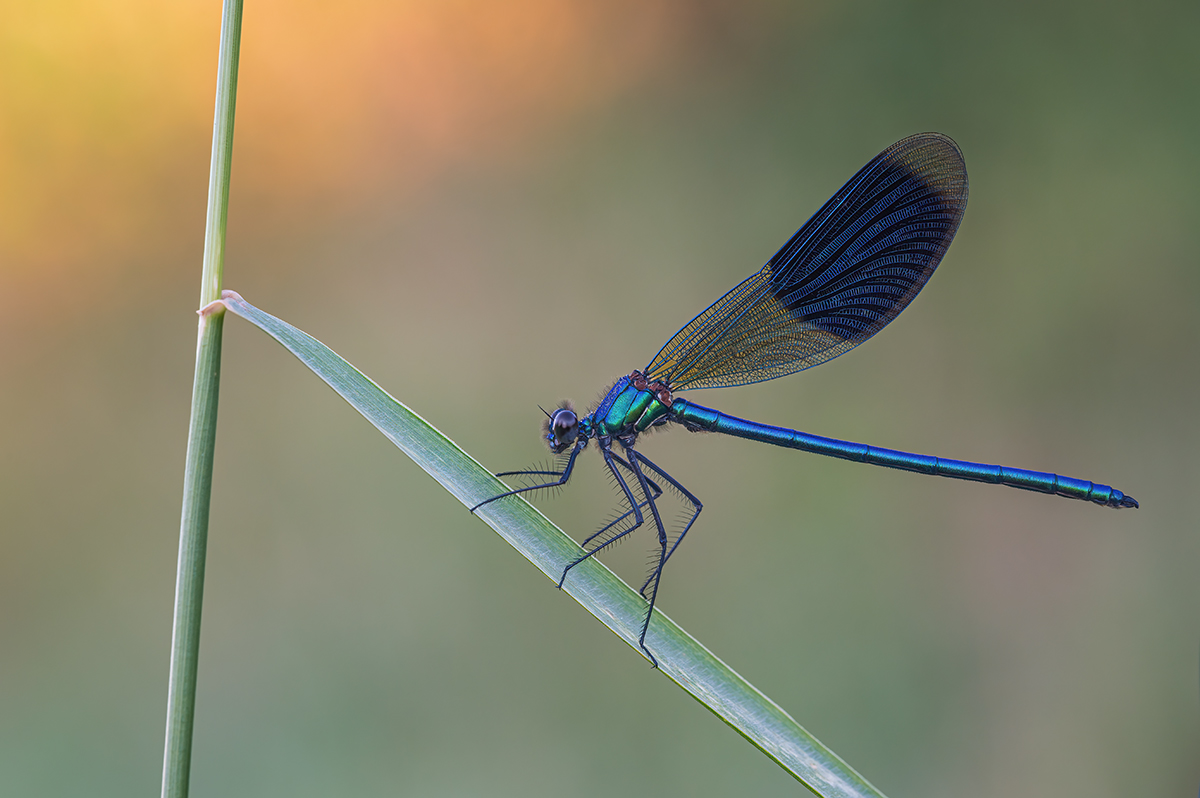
{"x": 105, "y": 108}
{"x": 385, "y": 91}
{"x": 96, "y": 101}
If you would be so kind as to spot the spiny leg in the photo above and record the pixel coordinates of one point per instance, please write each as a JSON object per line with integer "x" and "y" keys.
{"x": 563, "y": 476}
{"x": 697, "y": 506}
{"x": 657, "y": 492}
{"x": 611, "y": 460}
{"x": 662, "y": 550}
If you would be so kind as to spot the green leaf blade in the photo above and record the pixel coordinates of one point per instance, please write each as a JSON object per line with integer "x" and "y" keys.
{"x": 681, "y": 658}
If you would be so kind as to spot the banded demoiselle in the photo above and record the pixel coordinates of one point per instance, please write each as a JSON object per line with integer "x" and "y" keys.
{"x": 839, "y": 280}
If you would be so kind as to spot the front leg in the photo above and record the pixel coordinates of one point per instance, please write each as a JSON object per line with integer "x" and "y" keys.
{"x": 563, "y": 476}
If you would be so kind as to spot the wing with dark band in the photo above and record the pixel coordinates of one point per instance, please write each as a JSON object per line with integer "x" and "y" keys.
{"x": 841, "y": 278}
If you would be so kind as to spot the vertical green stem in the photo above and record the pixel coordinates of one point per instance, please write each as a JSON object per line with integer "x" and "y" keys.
{"x": 202, "y": 432}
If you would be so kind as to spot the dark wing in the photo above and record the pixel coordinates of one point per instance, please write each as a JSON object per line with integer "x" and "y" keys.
{"x": 845, "y": 274}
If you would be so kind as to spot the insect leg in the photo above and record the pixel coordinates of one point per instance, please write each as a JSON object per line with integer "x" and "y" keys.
{"x": 656, "y": 575}
{"x": 563, "y": 476}
{"x": 696, "y": 506}
{"x": 610, "y": 460}
{"x": 654, "y": 487}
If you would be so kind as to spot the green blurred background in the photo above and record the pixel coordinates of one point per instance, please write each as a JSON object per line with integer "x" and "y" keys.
{"x": 490, "y": 206}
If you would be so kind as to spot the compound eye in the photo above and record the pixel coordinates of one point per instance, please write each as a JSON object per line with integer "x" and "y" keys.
{"x": 564, "y": 425}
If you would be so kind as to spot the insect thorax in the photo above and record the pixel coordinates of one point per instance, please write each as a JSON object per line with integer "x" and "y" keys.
{"x": 629, "y": 409}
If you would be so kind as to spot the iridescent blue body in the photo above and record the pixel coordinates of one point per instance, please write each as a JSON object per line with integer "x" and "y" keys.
{"x": 840, "y": 279}
{"x": 696, "y": 417}
{"x": 626, "y": 411}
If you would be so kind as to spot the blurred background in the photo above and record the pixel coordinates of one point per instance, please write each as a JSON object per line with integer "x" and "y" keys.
{"x": 490, "y": 206}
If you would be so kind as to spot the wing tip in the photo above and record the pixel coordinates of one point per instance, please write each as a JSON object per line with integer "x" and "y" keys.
{"x": 938, "y": 161}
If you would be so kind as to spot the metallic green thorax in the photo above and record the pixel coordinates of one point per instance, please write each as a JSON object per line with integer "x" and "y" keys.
{"x": 626, "y": 409}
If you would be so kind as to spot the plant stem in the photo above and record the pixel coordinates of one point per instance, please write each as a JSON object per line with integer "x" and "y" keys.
{"x": 202, "y": 431}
